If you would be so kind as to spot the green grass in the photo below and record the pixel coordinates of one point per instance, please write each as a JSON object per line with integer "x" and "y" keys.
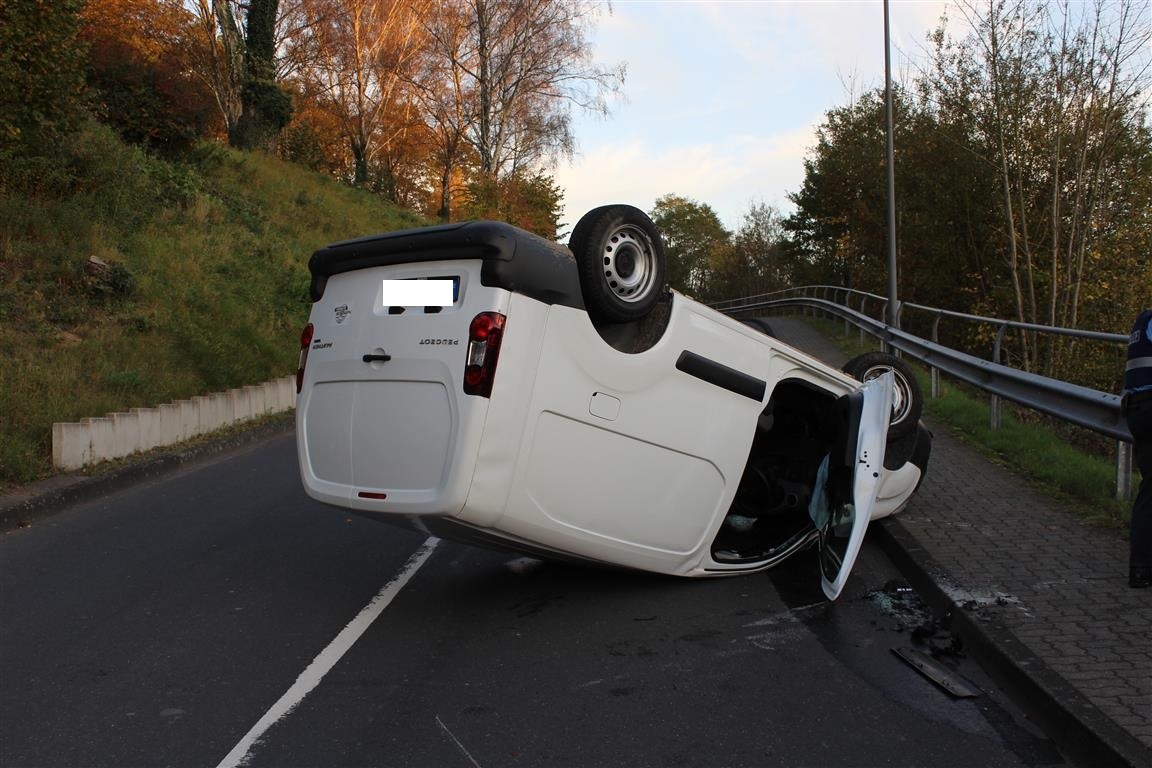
{"x": 1082, "y": 480}
{"x": 205, "y": 288}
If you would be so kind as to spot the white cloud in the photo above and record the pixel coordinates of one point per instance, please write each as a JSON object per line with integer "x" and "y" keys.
{"x": 723, "y": 98}
{"x": 727, "y": 175}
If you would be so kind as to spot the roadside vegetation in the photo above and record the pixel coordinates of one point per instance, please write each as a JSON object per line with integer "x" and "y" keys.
{"x": 130, "y": 280}
{"x": 1075, "y": 466}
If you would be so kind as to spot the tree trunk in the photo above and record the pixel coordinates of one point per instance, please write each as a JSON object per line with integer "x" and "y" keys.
{"x": 1006, "y": 183}
{"x": 266, "y": 108}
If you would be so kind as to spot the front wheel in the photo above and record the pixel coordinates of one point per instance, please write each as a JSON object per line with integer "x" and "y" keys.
{"x": 907, "y": 400}
{"x": 620, "y": 260}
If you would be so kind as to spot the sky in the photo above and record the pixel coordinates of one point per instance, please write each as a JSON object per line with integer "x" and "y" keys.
{"x": 723, "y": 97}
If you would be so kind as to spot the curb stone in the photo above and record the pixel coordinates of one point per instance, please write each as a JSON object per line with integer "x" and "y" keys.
{"x": 27, "y": 504}
{"x": 1081, "y": 731}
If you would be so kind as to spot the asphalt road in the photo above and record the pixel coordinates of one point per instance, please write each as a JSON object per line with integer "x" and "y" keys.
{"x": 218, "y": 617}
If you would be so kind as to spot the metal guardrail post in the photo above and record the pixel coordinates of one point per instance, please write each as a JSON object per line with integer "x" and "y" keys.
{"x": 994, "y": 403}
{"x": 934, "y": 372}
{"x": 1123, "y": 471}
{"x": 863, "y": 299}
{"x": 884, "y": 318}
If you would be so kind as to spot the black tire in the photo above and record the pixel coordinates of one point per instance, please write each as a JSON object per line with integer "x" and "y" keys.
{"x": 761, "y": 325}
{"x": 907, "y": 403}
{"x": 620, "y": 260}
{"x": 915, "y": 447}
{"x": 923, "y": 450}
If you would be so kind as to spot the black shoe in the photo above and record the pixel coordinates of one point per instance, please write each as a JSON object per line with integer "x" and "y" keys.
{"x": 1139, "y": 577}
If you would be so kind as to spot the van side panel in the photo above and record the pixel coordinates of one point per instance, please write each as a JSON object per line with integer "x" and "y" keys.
{"x": 624, "y": 454}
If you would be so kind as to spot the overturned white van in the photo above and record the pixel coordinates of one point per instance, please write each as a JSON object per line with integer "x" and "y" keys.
{"x": 563, "y": 403}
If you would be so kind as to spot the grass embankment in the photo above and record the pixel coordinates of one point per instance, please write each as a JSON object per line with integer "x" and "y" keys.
{"x": 128, "y": 281}
{"x": 1082, "y": 481}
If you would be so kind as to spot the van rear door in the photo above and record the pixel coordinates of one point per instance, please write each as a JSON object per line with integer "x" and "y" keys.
{"x": 383, "y": 422}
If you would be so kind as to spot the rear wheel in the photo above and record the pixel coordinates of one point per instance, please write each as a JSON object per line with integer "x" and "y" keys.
{"x": 907, "y": 400}
{"x": 620, "y": 260}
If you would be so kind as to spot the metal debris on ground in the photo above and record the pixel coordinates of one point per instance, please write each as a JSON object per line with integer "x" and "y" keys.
{"x": 937, "y": 673}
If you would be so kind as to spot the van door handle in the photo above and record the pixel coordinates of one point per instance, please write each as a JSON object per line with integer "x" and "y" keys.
{"x": 377, "y": 358}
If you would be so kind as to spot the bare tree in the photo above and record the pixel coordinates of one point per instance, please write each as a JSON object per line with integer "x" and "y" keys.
{"x": 446, "y": 98}
{"x": 518, "y": 70}
{"x": 361, "y": 55}
{"x": 221, "y": 47}
{"x": 1051, "y": 92}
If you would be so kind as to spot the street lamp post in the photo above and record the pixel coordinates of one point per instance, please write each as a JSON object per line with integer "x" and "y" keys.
{"x": 893, "y": 310}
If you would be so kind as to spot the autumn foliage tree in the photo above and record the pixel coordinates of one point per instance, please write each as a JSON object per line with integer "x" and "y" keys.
{"x": 140, "y": 72}
{"x": 456, "y": 101}
{"x": 529, "y": 201}
{"x": 450, "y": 107}
{"x": 357, "y": 58}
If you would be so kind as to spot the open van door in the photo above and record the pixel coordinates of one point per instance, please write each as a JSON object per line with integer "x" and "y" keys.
{"x": 848, "y": 479}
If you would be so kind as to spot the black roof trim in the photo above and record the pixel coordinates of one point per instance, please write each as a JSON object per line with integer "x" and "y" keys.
{"x": 514, "y": 259}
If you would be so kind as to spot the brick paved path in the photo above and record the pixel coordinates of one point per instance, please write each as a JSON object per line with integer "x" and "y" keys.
{"x": 1011, "y": 557}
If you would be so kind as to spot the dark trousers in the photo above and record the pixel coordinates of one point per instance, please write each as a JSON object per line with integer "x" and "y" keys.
{"x": 1140, "y": 424}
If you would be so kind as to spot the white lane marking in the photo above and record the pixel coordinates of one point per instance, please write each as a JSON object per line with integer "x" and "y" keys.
{"x": 456, "y": 741}
{"x": 322, "y": 664}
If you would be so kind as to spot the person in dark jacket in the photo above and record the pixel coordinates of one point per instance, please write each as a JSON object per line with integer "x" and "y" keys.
{"x": 1137, "y": 407}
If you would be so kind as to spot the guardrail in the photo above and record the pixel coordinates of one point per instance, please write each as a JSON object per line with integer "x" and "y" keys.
{"x": 1085, "y": 407}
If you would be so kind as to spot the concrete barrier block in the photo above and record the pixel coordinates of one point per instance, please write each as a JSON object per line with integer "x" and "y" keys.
{"x": 268, "y": 397}
{"x": 255, "y": 399}
{"x": 189, "y": 419}
{"x": 273, "y": 396}
{"x": 226, "y": 407}
{"x": 286, "y": 389}
{"x": 151, "y": 435}
{"x": 126, "y": 434}
{"x": 221, "y": 409}
{"x": 101, "y": 438}
{"x": 171, "y": 429}
{"x": 71, "y": 445}
{"x": 206, "y": 418}
{"x": 203, "y": 423}
{"x": 243, "y": 403}
{"x": 216, "y": 408}
{"x": 91, "y": 440}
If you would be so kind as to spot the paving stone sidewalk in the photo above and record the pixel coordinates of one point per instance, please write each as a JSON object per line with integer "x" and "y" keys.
{"x": 1028, "y": 577}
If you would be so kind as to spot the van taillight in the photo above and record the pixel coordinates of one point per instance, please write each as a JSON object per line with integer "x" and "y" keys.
{"x": 305, "y": 343}
{"x": 484, "y": 336}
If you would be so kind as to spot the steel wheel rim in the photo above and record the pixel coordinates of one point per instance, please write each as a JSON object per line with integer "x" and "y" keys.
{"x": 901, "y": 393}
{"x": 629, "y": 263}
